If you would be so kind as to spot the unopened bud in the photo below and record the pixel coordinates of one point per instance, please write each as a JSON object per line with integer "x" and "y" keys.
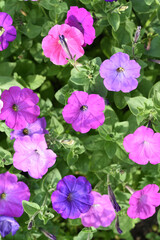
{"x": 47, "y": 234}
{"x": 113, "y": 199}
{"x": 137, "y": 34}
{"x": 117, "y": 225}
{"x": 30, "y": 225}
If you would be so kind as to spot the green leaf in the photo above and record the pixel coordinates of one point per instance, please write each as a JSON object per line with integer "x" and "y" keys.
{"x": 149, "y": 2}
{"x": 158, "y": 217}
{"x": 136, "y": 104}
{"x": 30, "y": 207}
{"x": 114, "y": 20}
{"x": 154, "y": 50}
{"x": 5, "y": 157}
{"x": 51, "y": 179}
{"x": 6, "y": 68}
{"x": 79, "y": 77}
{"x": 119, "y": 99}
{"x": 110, "y": 148}
{"x": 56, "y": 125}
{"x": 35, "y": 81}
{"x": 7, "y": 82}
{"x": 62, "y": 94}
{"x": 121, "y": 127}
{"x": 30, "y": 30}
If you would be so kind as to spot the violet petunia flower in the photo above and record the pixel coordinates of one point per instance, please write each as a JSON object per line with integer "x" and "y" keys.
{"x": 19, "y": 107}
{"x": 143, "y": 146}
{"x": 72, "y": 197}
{"x": 7, "y": 225}
{"x": 82, "y": 19}
{"x": 32, "y": 156}
{"x": 7, "y": 31}
{"x": 84, "y": 111}
{"x": 37, "y": 127}
{"x": 120, "y": 73}
{"x": 63, "y": 42}
{"x": 113, "y": 199}
{"x": 12, "y": 193}
{"x": 101, "y": 212}
{"x": 143, "y": 202}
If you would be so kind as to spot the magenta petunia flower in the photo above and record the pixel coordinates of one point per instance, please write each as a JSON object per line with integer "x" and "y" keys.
{"x": 143, "y": 146}
{"x": 63, "y": 42}
{"x": 84, "y": 111}
{"x": 19, "y": 107}
{"x": 82, "y": 19}
{"x": 7, "y": 31}
{"x": 1, "y": 103}
{"x": 37, "y": 127}
{"x": 101, "y": 212}
{"x": 32, "y": 156}
{"x": 12, "y": 193}
{"x": 143, "y": 202}
{"x": 72, "y": 197}
{"x": 7, "y": 225}
{"x": 120, "y": 73}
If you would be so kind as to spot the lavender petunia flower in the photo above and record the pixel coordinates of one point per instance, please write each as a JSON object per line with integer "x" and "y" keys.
{"x": 84, "y": 111}
{"x": 32, "y": 156}
{"x": 37, "y": 127}
{"x": 12, "y": 193}
{"x": 143, "y": 202}
{"x": 7, "y": 225}
{"x": 72, "y": 197}
{"x": 143, "y": 146}
{"x": 82, "y": 19}
{"x": 7, "y": 31}
{"x": 101, "y": 212}
{"x": 19, "y": 107}
{"x": 113, "y": 199}
{"x": 120, "y": 73}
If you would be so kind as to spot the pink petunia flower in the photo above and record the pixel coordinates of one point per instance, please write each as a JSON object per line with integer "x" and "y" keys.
{"x": 120, "y": 73}
{"x": 1, "y": 103}
{"x": 12, "y": 193}
{"x": 84, "y": 111}
{"x": 19, "y": 107}
{"x": 63, "y": 42}
{"x": 101, "y": 212}
{"x": 82, "y": 19}
{"x": 143, "y": 146}
{"x": 32, "y": 156}
{"x": 143, "y": 202}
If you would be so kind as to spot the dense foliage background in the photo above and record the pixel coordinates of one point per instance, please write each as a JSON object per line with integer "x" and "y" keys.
{"x": 99, "y": 152}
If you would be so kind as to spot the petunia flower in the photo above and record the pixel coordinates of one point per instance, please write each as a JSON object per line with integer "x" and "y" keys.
{"x": 1, "y": 103}
{"x": 63, "y": 42}
{"x": 110, "y": 0}
{"x": 143, "y": 202}
{"x": 72, "y": 197}
{"x": 82, "y": 19}
{"x": 101, "y": 212}
{"x": 32, "y": 156}
{"x": 84, "y": 111}
{"x": 7, "y": 225}
{"x": 120, "y": 73}
{"x": 12, "y": 193}
{"x": 143, "y": 146}
{"x": 7, "y": 31}
{"x": 19, "y": 107}
{"x": 37, "y": 127}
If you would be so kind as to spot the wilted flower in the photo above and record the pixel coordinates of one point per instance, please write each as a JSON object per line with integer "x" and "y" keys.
{"x": 81, "y": 19}
{"x": 84, "y": 111}
{"x": 72, "y": 197}
{"x": 63, "y": 42}
{"x": 12, "y": 193}
{"x": 143, "y": 202}
{"x": 143, "y": 146}
{"x": 19, "y": 107}
{"x": 7, "y": 225}
{"x": 7, "y": 31}
{"x": 120, "y": 73}
{"x": 37, "y": 127}
{"x": 113, "y": 199}
{"x": 101, "y": 212}
{"x": 32, "y": 156}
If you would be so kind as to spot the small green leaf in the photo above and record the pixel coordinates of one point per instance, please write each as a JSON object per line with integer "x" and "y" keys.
{"x": 30, "y": 207}
{"x": 114, "y": 20}
{"x": 35, "y": 81}
{"x": 51, "y": 179}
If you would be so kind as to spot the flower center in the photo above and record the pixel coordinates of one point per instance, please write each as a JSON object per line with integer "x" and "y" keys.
{"x": 84, "y": 108}
{"x": 15, "y": 107}
{"x": 25, "y": 131}
{"x": 120, "y": 69}
{"x": 2, "y": 30}
{"x": 3, "y": 196}
{"x": 69, "y": 197}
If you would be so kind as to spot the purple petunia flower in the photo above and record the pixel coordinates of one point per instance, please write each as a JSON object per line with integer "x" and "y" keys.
{"x": 19, "y": 107}
{"x": 143, "y": 202}
{"x": 84, "y": 111}
{"x": 37, "y": 127}
{"x": 12, "y": 193}
{"x": 143, "y": 146}
{"x": 32, "y": 156}
{"x": 82, "y": 19}
{"x": 72, "y": 197}
{"x": 111, "y": 0}
{"x": 1, "y": 103}
{"x": 101, "y": 212}
{"x": 120, "y": 73}
{"x": 7, "y": 225}
{"x": 7, "y": 31}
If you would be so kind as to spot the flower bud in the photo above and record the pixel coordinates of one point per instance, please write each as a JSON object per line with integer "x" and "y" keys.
{"x": 113, "y": 199}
